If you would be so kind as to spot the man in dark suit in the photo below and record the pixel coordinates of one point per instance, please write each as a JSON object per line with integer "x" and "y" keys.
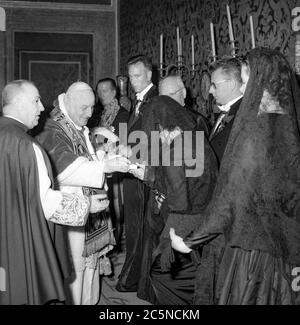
{"x": 225, "y": 87}
{"x": 173, "y": 276}
{"x": 136, "y": 194}
{"x": 174, "y": 87}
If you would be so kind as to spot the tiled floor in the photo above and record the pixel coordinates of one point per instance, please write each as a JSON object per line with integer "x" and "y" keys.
{"x": 109, "y": 295}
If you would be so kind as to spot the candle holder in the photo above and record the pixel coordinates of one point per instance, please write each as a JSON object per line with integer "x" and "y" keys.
{"x": 212, "y": 58}
{"x": 124, "y": 100}
{"x": 233, "y": 48}
{"x": 122, "y": 82}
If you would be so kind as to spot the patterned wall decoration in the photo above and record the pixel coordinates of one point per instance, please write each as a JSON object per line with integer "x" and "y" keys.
{"x": 142, "y": 22}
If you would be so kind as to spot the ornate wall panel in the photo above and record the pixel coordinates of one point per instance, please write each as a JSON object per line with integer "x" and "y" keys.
{"x": 142, "y": 21}
{"x": 53, "y": 61}
{"x": 52, "y": 72}
{"x": 94, "y": 2}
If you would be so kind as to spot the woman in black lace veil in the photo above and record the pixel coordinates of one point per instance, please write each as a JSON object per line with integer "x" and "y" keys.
{"x": 255, "y": 207}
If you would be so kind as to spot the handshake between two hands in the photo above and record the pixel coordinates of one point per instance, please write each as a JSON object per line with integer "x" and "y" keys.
{"x": 117, "y": 161}
{"x": 120, "y": 163}
{"x": 115, "y": 157}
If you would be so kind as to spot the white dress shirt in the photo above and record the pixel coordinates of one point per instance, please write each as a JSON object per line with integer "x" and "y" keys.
{"x": 225, "y": 109}
{"x": 140, "y": 97}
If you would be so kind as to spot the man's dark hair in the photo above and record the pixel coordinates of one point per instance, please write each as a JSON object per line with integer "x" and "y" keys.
{"x": 110, "y": 80}
{"x": 140, "y": 58}
{"x": 230, "y": 66}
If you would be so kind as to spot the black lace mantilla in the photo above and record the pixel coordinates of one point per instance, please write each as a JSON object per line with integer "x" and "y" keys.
{"x": 256, "y": 202}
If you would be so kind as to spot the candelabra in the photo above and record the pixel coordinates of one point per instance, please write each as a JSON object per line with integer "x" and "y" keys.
{"x": 179, "y": 68}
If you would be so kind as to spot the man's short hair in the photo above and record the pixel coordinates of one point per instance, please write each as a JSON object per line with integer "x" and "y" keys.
{"x": 140, "y": 58}
{"x": 230, "y": 66}
{"x": 112, "y": 82}
{"x": 13, "y": 89}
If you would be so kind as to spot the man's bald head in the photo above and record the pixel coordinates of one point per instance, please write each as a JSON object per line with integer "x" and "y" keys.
{"x": 78, "y": 86}
{"x": 79, "y": 102}
{"x": 21, "y": 100}
{"x": 173, "y": 87}
{"x": 13, "y": 91}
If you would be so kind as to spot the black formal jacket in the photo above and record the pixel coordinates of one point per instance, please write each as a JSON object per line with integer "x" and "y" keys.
{"x": 134, "y": 274}
{"x": 218, "y": 140}
{"x": 134, "y": 122}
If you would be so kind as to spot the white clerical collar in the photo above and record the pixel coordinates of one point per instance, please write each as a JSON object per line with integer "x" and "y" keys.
{"x": 226, "y": 107}
{"x": 14, "y": 118}
{"x": 140, "y": 96}
{"x": 64, "y": 110}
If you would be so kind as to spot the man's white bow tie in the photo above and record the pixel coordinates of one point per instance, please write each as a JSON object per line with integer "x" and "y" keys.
{"x": 139, "y": 97}
{"x": 224, "y": 108}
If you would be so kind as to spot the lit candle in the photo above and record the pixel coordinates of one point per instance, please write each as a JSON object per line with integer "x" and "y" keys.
{"x": 230, "y": 30}
{"x": 212, "y": 35}
{"x": 180, "y": 52}
{"x": 229, "y": 24}
{"x": 161, "y": 50}
{"x": 2, "y": 20}
{"x": 178, "y": 43}
{"x": 193, "y": 49}
{"x": 252, "y": 32}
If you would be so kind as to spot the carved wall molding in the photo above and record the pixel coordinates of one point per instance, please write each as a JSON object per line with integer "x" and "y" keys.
{"x": 99, "y": 24}
{"x": 59, "y": 6}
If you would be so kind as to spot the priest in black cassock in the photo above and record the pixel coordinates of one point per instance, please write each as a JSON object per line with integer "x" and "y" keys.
{"x": 182, "y": 179}
{"x": 33, "y": 254}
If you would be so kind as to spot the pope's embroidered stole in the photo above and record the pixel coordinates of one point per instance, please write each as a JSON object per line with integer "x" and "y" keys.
{"x": 98, "y": 228}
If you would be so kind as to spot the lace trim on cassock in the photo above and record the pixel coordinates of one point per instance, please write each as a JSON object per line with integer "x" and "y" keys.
{"x": 72, "y": 210}
{"x": 91, "y": 262}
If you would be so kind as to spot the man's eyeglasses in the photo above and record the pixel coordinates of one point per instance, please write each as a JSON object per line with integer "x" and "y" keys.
{"x": 214, "y": 84}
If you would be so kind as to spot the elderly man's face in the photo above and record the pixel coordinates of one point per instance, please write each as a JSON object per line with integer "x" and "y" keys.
{"x": 80, "y": 106}
{"x": 31, "y": 102}
{"x": 140, "y": 76}
{"x": 106, "y": 93}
